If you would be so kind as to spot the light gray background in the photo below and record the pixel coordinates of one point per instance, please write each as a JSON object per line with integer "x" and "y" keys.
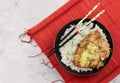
{"x": 15, "y": 66}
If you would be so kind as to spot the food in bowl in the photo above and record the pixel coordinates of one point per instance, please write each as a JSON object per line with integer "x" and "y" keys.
{"x": 90, "y": 44}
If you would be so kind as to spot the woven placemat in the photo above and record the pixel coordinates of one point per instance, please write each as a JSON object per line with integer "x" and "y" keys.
{"x": 44, "y": 33}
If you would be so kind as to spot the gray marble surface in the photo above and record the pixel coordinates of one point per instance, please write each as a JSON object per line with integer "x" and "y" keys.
{"x": 16, "y": 67}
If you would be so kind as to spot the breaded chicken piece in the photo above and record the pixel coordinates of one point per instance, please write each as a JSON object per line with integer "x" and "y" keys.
{"x": 92, "y": 51}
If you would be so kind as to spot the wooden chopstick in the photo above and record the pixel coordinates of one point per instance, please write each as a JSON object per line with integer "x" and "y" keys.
{"x": 93, "y": 9}
{"x": 77, "y": 26}
{"x": 93, "y": 19}
{"x": 78, "y": 32}
{"x": 89, "y": 13}
{"x": 73, "y": 27}
{"x": 79, "y": 29}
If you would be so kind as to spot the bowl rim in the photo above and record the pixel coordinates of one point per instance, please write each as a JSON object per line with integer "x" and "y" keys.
{"x": 109, "y": 58}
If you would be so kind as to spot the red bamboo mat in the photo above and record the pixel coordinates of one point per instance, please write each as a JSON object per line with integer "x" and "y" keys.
{"x": 44, "y": 33}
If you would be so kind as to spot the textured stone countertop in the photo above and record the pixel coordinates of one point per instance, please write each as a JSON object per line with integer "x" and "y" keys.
{"x": 16, "y": 67}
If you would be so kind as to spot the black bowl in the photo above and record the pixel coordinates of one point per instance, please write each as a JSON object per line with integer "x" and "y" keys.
{"x": 58, "y": 54}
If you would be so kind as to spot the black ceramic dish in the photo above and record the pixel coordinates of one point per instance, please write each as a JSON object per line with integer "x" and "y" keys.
{"x": 58, "y": 54}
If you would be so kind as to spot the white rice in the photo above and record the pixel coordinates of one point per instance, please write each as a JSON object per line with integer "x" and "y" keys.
{"x": 68, "y": 50}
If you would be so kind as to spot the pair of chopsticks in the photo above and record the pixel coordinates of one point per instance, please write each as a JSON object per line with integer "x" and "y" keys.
{"x": 77, "y": 28}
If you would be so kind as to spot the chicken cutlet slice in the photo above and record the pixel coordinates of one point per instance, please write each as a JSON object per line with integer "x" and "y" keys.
{"x": 91, "y": 51}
